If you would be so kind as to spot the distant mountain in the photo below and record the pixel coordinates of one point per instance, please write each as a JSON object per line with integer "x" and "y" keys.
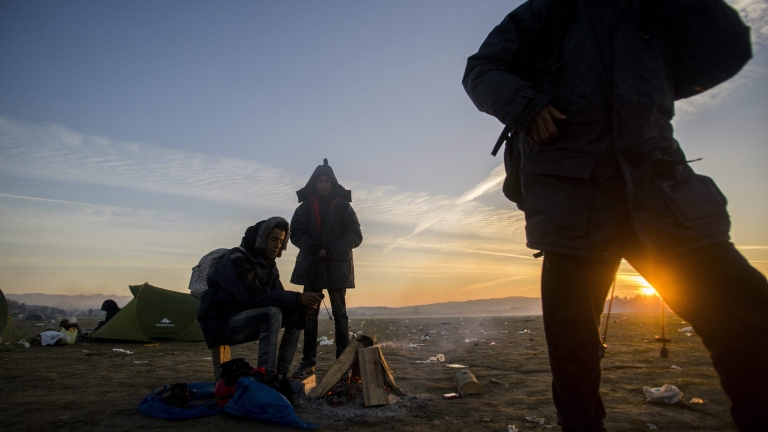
{"x": 499, "y": 306}
{"x": 68, "y": 302}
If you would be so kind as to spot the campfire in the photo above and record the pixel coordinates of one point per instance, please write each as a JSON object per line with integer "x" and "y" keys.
{"x": 369, "y": 375}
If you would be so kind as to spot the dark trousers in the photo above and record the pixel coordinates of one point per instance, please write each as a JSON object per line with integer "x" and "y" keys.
{"x": 713, "y": 288}
{"x": 340, "y": 321}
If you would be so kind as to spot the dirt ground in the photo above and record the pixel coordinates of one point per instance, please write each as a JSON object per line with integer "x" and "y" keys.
{"x": 89, "y": 387}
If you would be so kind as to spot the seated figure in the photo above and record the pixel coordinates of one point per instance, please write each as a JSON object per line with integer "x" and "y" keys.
{"x": 110, "y": 307}
{"x": 245, "y": 300}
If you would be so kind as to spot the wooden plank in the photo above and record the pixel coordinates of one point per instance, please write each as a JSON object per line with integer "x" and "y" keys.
{"x": 219, "y": 355}
{"x": 466, "y": 383}
{"x": 388, "y": 378}
{"x": 371, "y": 373}
{"x": 337, "y": 370}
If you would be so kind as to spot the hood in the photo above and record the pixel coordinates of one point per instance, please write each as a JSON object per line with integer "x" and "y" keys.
{"x": 310, "y": 189}
{"x": 109, "y": 306}
{"x": 255, "y": 237}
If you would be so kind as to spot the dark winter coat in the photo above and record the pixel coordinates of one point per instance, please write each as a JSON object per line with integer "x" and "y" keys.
{"x": 616, "y": 156}
{"x": 244, "y": 279}
{"x": 334, "y": 227}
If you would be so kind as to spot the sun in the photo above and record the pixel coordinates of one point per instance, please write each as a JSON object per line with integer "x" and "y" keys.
{"x": 649, "y": 291}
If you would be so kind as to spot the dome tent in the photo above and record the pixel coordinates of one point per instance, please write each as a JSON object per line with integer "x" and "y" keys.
{"x": 154, "y": 313}
{"x": 8, "y": 330}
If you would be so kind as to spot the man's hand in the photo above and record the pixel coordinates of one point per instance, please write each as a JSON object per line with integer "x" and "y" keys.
{"x": 310, "y": 300}
{"x": 542, "y": 129}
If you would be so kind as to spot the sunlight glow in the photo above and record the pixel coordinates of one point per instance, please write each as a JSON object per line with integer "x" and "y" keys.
{"x": 648, "y": 291}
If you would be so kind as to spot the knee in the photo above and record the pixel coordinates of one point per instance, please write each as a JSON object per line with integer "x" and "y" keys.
{"x": 274, "y": 314}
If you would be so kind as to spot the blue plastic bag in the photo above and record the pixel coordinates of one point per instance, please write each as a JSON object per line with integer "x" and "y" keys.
{"x": 154, "y": 406}
{"x": 260, "y": 402}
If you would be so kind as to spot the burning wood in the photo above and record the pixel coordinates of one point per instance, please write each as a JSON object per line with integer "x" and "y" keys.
{"x": 370, "y": 376}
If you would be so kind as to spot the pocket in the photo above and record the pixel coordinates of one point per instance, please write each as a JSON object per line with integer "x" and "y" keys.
{"x": 694, "y": 198}
{"x": 558, "y": 196}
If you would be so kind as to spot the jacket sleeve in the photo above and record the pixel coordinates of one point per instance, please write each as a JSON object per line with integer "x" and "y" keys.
{"x": 495, "y": 77}
{"x": 252, "y": 294}
{"x": 350, "y": 239}
{"x": 300, "y": 236}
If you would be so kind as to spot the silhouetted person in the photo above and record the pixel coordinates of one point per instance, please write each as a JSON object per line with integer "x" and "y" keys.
{"x": 110, "y": 307}
{"x": 325, "y": 229}
{"x": 588, "y": 89}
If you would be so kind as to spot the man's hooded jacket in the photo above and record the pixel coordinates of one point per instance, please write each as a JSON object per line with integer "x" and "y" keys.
{"x": 245, "y": 279}
{"x": 326, "y": 222}
{"x": 619, "y": 69}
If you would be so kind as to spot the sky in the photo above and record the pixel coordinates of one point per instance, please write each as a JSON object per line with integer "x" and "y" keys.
{"x": 137, "y": 136}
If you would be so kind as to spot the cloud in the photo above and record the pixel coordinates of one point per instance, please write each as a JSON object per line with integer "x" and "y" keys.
{"x": 58, "y": 153}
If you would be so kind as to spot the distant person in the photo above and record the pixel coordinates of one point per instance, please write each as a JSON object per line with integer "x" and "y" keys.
{"x": 245, "y": 300}
{"x": 588, "y": 90}
{"x": 69, "y": 323}
{"x": 325, "y": 229}
{"x": 110, "y": 307}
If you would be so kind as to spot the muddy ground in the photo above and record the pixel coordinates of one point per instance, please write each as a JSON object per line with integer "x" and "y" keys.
{"x": 89, "y": 387}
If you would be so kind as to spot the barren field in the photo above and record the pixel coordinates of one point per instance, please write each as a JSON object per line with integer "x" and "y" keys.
{"x": 88, "y": 386}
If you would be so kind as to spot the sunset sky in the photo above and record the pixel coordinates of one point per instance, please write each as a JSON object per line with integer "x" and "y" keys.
{"x": 137, "y": 136}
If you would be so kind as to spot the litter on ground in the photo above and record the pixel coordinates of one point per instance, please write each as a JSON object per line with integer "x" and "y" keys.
{"x": 697, "y": 401}
{"x": 456, "y": 366}
{"x": 651, "y": 426}
{"x": 120, "y": 350}
{"x": 667, "y": 394}
{"x": 324, "y": 341}
{"x": 538, "y": 420}
{"x": 686, "y": 329}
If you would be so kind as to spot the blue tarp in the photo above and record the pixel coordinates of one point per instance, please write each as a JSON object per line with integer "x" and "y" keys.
{"x": 202, "y": 404}
{"x": 258, "y": 401}
{"x": 252, "y": 399}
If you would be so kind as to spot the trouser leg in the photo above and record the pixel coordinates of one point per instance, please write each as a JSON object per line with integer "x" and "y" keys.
{"x": 573, "y": 292}
{"x": 309, "y": 350}
{"x": 262, "y": 324}
{"x": 288, "y": 344}
{"x": 340, "y": 318}
{"x": 726, "y": 301}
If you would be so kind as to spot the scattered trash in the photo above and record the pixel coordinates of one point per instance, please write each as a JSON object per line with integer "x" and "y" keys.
{"x": 492, "y": 343}
{"x": 142, "y": 361}
{"x": 425, "y": 337}
{"x": 438, "y": 358}
{"x": 413, "y": 345}
{"x": 207, "y": 358}
{"x": 495, "y": 381}
{"x": 689, "y": 334}
{"x": 485, "y": 420}
{"x": 504, "y": 331}
{"x": 524, "y": 331}
{"x": 324, "y": 341}
{"x": 511, "y": 428}
{"x": 360, "y": 332}
{"x": 470, "y": 340}
{"x": 667, "y": 394}
{"x": 698, "y": 401}
{"x": 686, "y": 329}
{"x": 651, "y": 426}
{"x": 452, "y": 396}
{"x": 675, "y": 367}
{"x": 456, "y": 366}
{"x": 120, "y": 350}
{"x": 152, "y": 344}
{"x": 538, "y": 420}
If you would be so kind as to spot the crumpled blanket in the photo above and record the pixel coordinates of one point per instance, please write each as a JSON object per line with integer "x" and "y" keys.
{"x": 251, "y": 399}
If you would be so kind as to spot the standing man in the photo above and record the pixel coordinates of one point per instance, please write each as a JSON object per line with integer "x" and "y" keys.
{"x": 325, "y": 229}
{"x": 588, "y": 87}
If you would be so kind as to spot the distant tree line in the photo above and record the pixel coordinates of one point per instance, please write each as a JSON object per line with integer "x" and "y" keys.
{"x": 16, "y": 308}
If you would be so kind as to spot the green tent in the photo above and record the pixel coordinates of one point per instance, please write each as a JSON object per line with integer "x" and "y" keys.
{"x": 8, "y": 330}
{"x": 154, "y": 313}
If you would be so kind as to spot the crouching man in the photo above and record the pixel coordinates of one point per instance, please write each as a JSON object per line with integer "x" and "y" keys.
{"x": 245, "y": 300}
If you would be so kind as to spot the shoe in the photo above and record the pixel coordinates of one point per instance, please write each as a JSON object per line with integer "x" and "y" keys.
{"x": 303, "y": 372}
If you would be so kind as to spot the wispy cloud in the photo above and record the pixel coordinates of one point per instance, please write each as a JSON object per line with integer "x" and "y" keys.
{"x": 58, "y": 153}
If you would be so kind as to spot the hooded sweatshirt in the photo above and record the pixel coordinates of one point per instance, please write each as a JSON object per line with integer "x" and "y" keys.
{"x": 245, "y": 279}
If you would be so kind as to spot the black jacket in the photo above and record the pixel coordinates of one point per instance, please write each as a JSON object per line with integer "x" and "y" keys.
{"x": 242, "y": 281}
{"x": 616, "y": 155}
{"x": 335, "y": 227}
